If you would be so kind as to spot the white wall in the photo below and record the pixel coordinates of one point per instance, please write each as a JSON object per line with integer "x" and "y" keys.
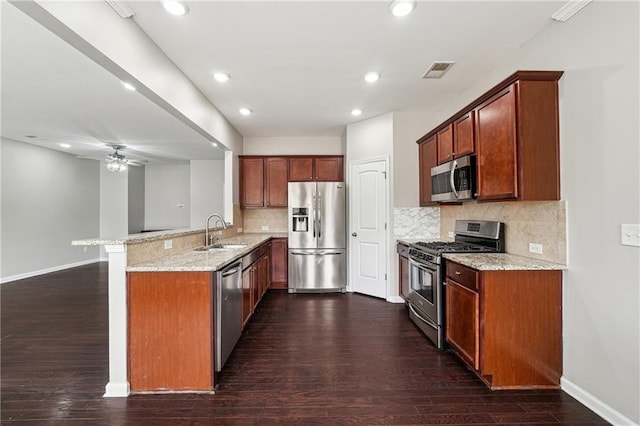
{"x": 206, "y": 190}
{"x": 49, "y": 198}
{"x": 167, "y": 186}
{"x": 303, "y": 145}
{"x": 408, "y": 127}
{"x": 136, "y": 197}
{"x": 114, "y": 204}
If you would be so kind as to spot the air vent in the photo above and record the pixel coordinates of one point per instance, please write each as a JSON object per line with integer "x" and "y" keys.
{"x": 438, "y": 69}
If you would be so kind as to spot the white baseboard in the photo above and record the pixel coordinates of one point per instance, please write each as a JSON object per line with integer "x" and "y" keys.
{"x": 11, "y": 278}
{"x": 395, "y": 299}
{"x": 116, "y": 390}
{"x": 602, "y": 409}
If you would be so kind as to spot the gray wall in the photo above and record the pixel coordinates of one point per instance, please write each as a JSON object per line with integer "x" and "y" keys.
{"x": 206, "y": 190}
{"x": 167, "y": 186}
{"x": 136, "y": 199}
{"x": 49, "y": 198}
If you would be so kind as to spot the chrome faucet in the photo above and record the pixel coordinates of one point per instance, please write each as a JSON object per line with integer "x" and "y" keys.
{"x": 206, "y": 229}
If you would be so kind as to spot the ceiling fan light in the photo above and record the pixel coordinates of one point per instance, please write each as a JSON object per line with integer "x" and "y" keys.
{"x": 401, "y": 8}
{"x": 175, "y": 7}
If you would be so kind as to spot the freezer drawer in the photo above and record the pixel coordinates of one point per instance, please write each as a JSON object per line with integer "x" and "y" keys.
{"x": 317, "y": 270}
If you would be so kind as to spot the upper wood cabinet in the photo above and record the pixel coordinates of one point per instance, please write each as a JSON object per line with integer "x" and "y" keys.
{"x": 445, "y": 144}
{"x": 263, "y": 181}
{"x": 276, "y": 172}
{"x": 518, "y": 143}
{"x": 251, "y": 182}
{"x": 513, "y": 129}
{"x": 316, "y": 168}
{"x": 463, "y": 135}
{"x": 427, "y": 158}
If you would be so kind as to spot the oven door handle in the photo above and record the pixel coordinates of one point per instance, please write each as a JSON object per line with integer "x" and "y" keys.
{"x": 452, "y": 181}
{"x": 423, "y": 319}
{"x": 421, "y": 265}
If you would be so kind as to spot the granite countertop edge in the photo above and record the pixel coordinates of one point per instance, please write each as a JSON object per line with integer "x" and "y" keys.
{"x": 189, "y": 260}
{"x": 503, "y": 262}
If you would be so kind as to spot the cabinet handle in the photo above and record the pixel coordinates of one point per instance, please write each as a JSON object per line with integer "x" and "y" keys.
{"x": 458, "y": 273}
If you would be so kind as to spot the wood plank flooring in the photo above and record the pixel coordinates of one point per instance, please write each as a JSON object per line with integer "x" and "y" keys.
{"x": 305, "y": 359}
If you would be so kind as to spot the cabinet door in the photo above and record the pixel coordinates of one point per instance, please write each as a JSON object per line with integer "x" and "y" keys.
{"x": 403, "y": 268}
{"x": 463, "y": 135}
{"x": 279, "y": 263}
{"x": 300, "y": 169}
{"x": 427, "y": 154}
{"x": 251, "y": 182}
{"x": 247, "y": 307}
{"x": 276, "y": 181}
{"x": 255, "y": 286}
{"x": 463, "y": 327}
{"x": 445, "y": 144}
{"x": 329, "y": 169}
{"x": 496, "y": 137}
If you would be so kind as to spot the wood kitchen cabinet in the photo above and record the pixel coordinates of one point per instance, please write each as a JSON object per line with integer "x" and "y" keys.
{"x": 518, "y": 141}
{"x": 279, "y": 263}
{"x": 427, "y": 158}
{"x": 463, "y": 135}
{"x": 444, "y": 138}
{"x": 255, "y": 279}
{"x": 175, "y": 307}
{"x": 316, "y": 168}
{"x": 251, "y": 182}
{"x": 263, "y": 181}
{"x": 506, "y": 325}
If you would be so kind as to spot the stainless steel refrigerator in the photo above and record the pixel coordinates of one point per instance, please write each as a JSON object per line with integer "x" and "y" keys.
{"x": 317, "y": 240}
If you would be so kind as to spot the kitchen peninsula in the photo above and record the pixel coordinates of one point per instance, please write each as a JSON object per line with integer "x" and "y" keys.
{"x": 171, "y": 299}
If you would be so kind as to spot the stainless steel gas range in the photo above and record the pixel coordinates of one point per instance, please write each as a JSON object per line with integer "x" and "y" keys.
{"x": 427, "y": 270}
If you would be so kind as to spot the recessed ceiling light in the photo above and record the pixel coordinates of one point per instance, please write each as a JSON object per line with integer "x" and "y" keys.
{"x": 372, "y": 76}
{"x": 356, "y": 112}
{"x": 214, "y": 144}
{"x": 129, "y": 86}
{"x": 222, "y": 77}
{"x": 401, "y": 8}
{"x": 245, "y": 111}
{"x": 175, "y": 7}
{"x": 65, "y": 145}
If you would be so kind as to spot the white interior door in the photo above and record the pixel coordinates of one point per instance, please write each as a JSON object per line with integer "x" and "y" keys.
{"x": 367, "y": 211}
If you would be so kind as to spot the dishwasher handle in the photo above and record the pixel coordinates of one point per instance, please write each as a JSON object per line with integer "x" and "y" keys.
{"x": 230, "y": 270}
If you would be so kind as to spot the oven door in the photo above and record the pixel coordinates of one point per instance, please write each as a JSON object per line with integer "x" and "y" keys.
{"x": 425, "y": 289}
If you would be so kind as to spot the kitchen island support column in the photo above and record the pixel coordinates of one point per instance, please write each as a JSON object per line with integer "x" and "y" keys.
{"x": 118, "y": 385}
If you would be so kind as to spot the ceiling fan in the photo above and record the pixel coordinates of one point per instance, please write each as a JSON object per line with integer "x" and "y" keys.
{"x": 117, "y": 162}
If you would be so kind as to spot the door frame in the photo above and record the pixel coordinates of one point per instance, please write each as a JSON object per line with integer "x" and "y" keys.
{"x": 390, "y": 295}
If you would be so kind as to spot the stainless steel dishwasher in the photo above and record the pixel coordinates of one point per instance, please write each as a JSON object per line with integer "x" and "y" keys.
{"x": 228, "y": 311}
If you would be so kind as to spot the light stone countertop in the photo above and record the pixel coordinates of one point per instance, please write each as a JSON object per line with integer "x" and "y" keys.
{"x": 137, "y": 238}
{"x": 503, "y": 262}
{"x": 190, "y": 260}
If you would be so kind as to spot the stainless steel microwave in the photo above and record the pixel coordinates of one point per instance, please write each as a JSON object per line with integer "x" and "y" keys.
{"x": 454, "y": 180}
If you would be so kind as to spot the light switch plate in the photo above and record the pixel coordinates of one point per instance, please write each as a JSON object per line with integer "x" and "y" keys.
{"x": 265, "y": 227}
{"x": 451, "y": 234}
{"x": 168, "y": 244}
{"x": 240, "y": 230}
{"x": 535, "y": 248}
{"x": 630, "y": 235}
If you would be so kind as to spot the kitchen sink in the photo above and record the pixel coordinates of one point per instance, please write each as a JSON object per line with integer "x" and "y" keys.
{"x": 221, "y": 247}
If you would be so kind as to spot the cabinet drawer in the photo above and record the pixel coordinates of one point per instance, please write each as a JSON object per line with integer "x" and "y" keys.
{"x": 462, "y": 275}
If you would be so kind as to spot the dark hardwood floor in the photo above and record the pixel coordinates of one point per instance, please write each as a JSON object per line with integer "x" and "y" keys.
{"x": 310, "y": 359}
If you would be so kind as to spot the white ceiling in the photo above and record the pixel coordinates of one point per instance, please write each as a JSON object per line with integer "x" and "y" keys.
{"x": 298, "y": 64}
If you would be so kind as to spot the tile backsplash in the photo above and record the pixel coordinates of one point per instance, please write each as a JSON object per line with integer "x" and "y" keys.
{"x": 541, "y": 222}
{"x": 416, "y": 223}
{"x": 275, "y": 219}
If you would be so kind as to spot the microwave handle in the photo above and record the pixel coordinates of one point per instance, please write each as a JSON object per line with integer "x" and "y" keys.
{"x": 452, "y": 181}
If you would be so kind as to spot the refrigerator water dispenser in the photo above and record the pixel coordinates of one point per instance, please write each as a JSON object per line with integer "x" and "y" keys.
{"x": 300, "y": 219}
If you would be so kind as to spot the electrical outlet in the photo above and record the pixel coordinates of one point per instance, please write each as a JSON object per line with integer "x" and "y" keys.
{"x": 535, "y": 248}
{"x": 240, "y": 230}
{"x": 451, "y": 234}
{"x": 168, "y": 244}
{"x": 630, "y": 235}
{"x": 84, "y": 249}
{"x": 180, "y": 205}
{"x": 265, "y": 227}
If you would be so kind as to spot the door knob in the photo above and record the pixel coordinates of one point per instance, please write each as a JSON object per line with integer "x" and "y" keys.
{"x": 354, "y": 234}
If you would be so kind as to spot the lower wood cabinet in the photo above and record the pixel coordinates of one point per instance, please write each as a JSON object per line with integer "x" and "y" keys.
{"x": 256, "y": 279}
{"x": 506, "y": 325}
{"x": 279, "y": 263}
{"x": 170, "y": 326}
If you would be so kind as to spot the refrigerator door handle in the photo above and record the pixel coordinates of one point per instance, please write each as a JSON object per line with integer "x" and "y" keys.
{"x": 319, "y": 216}
{"x": 313, "y": 209}
{"x": 316, "y": 253}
